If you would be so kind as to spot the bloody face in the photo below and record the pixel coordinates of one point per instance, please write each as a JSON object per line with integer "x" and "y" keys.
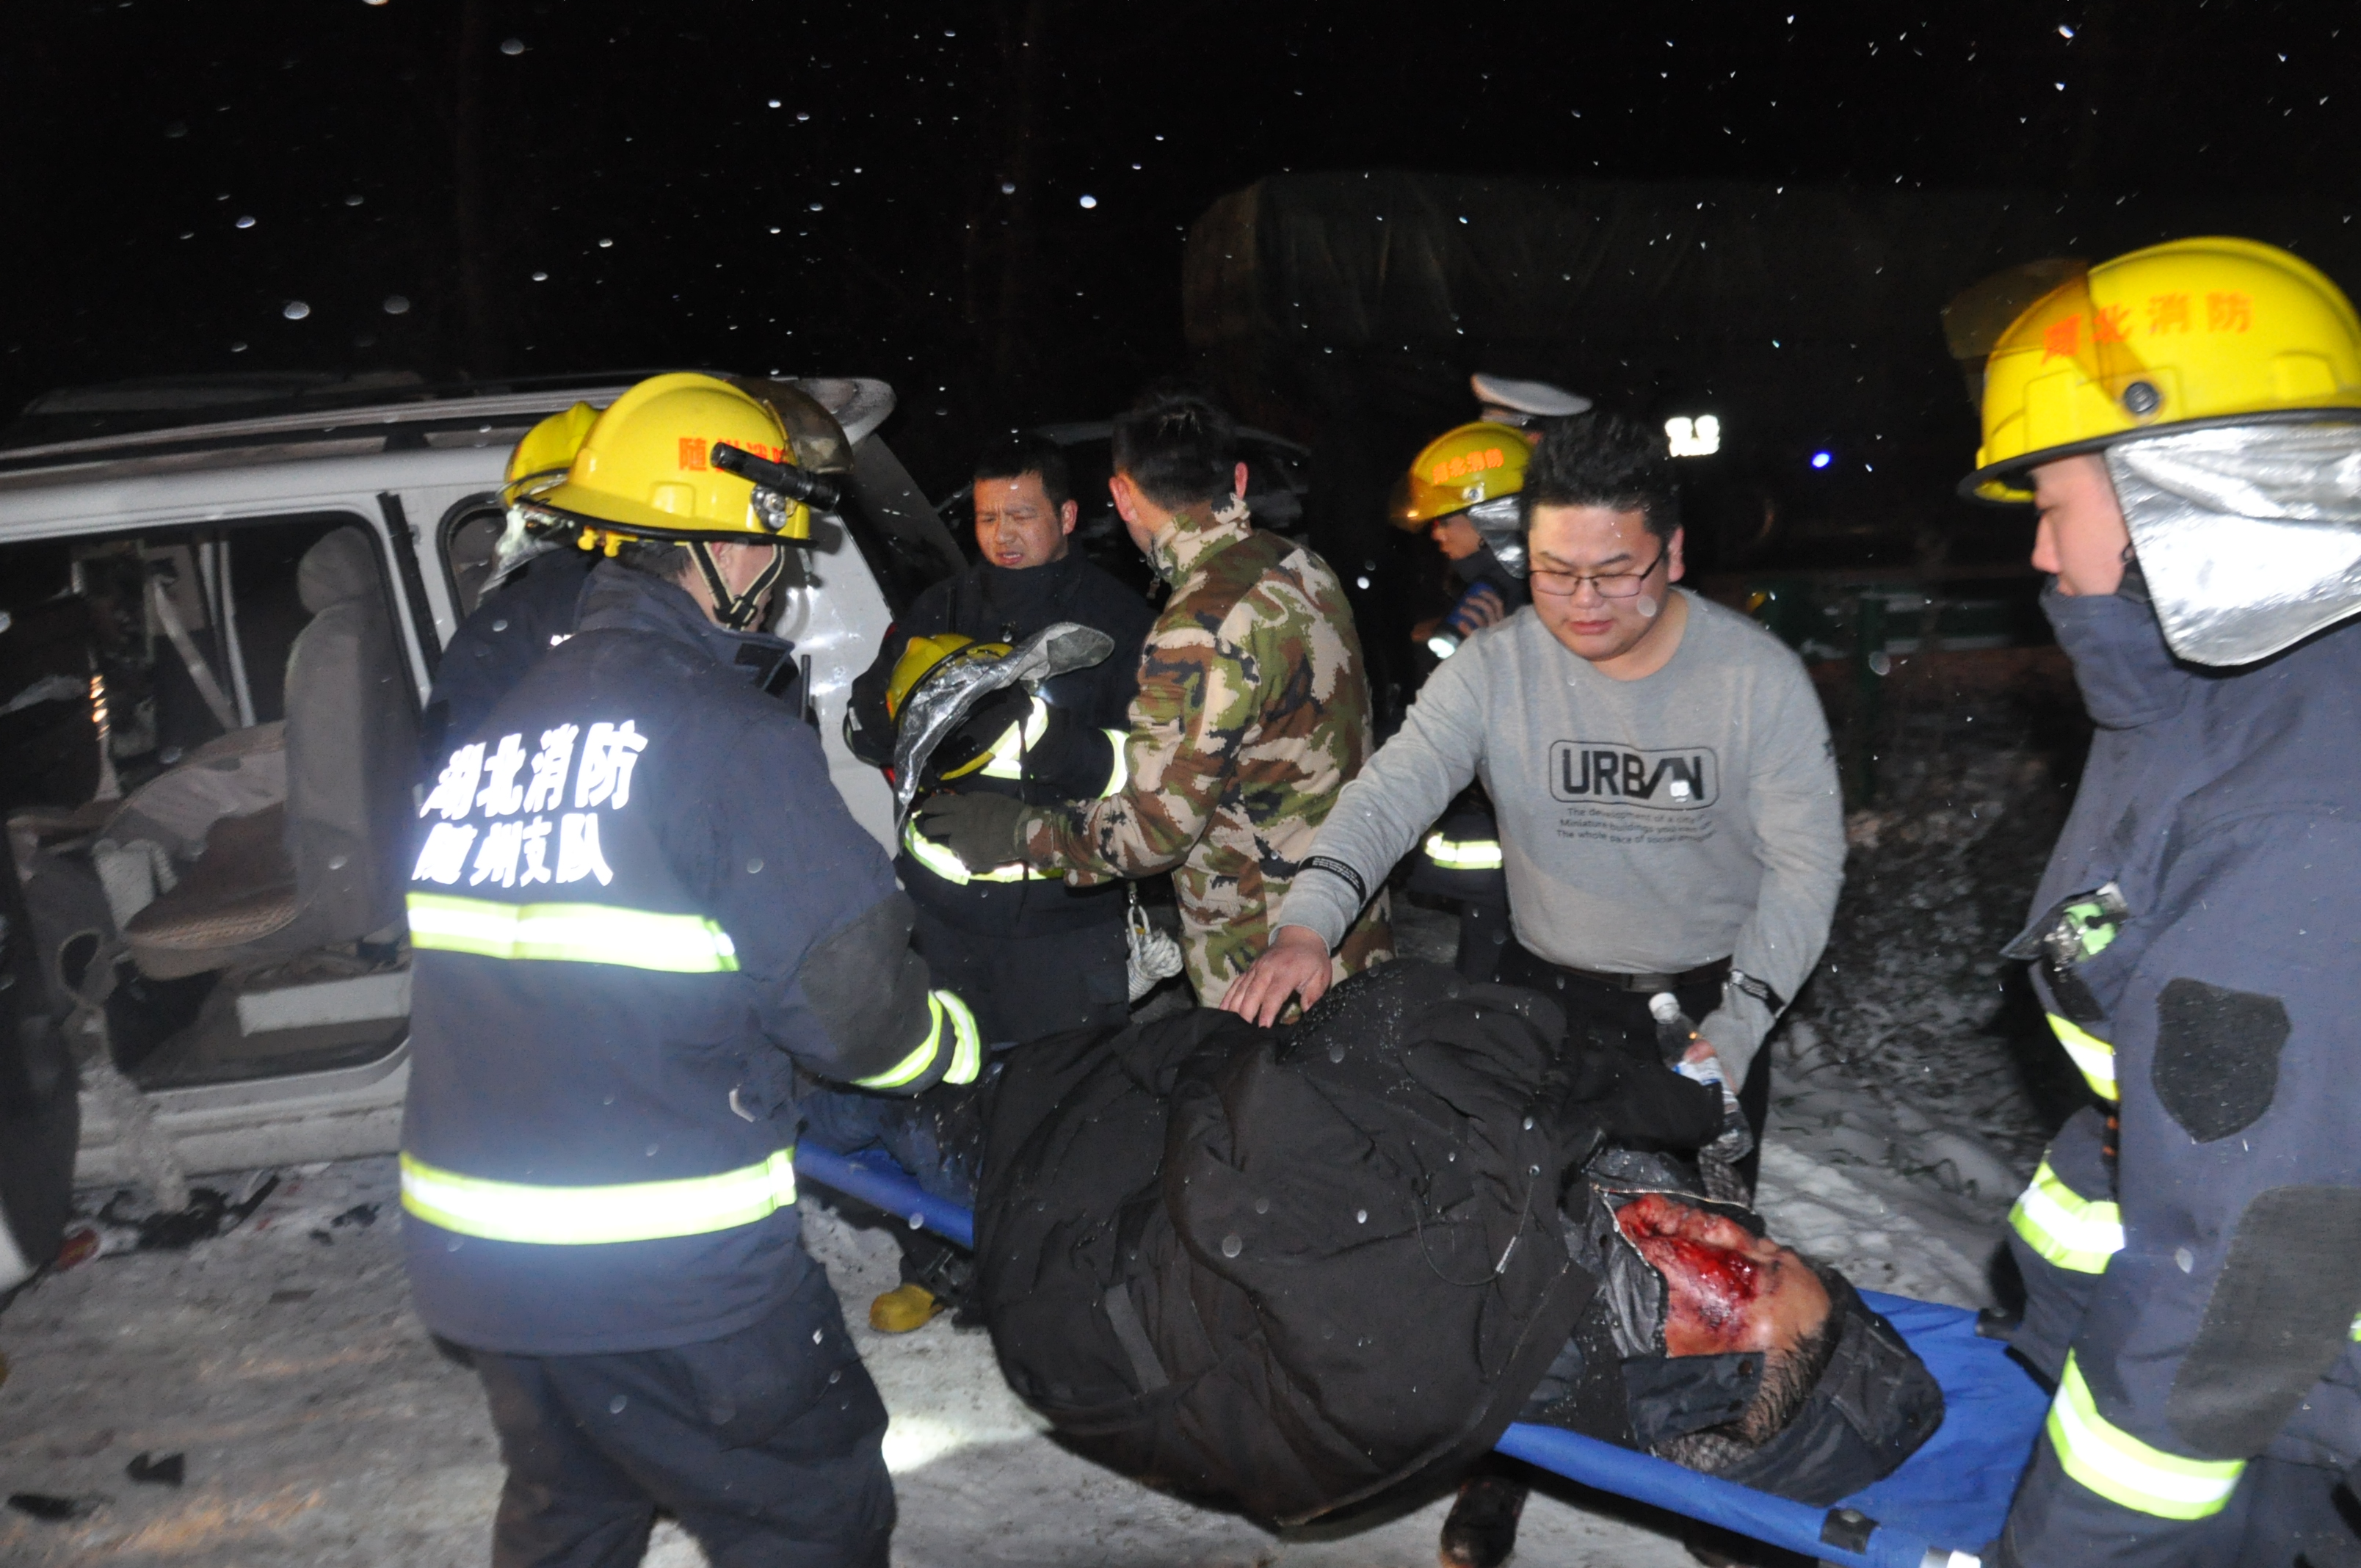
{"x": 1726, "y": 1288}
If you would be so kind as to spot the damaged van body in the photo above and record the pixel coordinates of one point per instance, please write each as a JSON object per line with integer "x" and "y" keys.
{"x": 216, "y": 638}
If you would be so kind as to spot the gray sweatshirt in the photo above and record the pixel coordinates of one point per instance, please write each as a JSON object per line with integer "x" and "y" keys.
{"x": 1648, "y": 825}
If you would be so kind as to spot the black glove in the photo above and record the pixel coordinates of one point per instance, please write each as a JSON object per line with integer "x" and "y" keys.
{"x": 980, "y": 829}
{"x": 868, "y": 728}
{"x": 1650, "y": 1109}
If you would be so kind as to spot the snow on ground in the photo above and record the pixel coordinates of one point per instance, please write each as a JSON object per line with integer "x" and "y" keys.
{"x": 322, "y": 1426}
{"x": 1916, "y": 1081}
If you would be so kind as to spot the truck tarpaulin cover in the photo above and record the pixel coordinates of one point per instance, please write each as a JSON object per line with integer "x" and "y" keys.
{"x": 1348, "y": 309}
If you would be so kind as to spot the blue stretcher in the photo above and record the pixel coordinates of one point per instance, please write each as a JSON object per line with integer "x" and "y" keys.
{"x": 1937, "y": 1511}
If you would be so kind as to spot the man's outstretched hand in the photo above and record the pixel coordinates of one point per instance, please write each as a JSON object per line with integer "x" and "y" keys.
{"x": 1296, "y": 965}
{"x": 980, "y": 829}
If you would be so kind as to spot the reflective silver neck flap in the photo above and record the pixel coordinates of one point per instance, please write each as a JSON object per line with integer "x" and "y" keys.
{"x": 2249, "y": 536}
{"x": 1500, "y": 524}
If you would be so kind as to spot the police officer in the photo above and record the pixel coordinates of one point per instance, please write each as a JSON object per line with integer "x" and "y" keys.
{"x": 638, "y": 907}
{"x": 2188, "y": 420}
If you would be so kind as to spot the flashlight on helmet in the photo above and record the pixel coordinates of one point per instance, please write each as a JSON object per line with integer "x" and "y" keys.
{"x": 788, "y": 481}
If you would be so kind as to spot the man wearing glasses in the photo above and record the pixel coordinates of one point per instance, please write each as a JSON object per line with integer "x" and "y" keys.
{"x": 1668, "y": 805}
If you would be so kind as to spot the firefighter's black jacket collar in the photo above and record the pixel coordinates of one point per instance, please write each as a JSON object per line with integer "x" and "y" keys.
{"x": 619, "y": 599}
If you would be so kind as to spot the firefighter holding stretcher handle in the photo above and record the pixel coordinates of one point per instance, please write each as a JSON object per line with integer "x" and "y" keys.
{"x": 639, "y": 905}
{"x": 2188, "y": 420}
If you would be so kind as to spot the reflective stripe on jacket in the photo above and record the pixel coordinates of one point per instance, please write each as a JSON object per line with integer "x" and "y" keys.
{"x": 1464, "y": 854}
{"x": 2092, "y": 1056}
{"x": 2193, "y": 1269}
{"x": 2119, "y": 1467}
{"x": 637, "y": 905}
{"x": 2066, "y": 1228}
{"x": 593, "y": 1216}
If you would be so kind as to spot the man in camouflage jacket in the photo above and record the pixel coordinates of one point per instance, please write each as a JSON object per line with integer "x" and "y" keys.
{"x": 1253, "y": 711}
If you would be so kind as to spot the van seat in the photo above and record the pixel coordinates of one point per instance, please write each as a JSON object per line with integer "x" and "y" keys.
{"x": 319, "y": 865}
{"x": 239, "y": 893}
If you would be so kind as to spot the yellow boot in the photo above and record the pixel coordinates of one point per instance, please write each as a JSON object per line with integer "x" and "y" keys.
{"x": 903, "y": 1308}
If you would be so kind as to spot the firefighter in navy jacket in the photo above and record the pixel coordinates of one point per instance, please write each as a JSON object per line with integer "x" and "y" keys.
{"x": 2187, "y": 418}
{"x": 638, "y": 907}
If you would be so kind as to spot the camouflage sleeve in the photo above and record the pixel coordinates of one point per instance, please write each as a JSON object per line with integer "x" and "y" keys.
{"x": 1196, "y": 702}
{"x": 1381, "y": 812}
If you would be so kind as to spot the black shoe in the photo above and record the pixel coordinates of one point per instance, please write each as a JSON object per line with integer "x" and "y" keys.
{"x": 1482, "y": 1528}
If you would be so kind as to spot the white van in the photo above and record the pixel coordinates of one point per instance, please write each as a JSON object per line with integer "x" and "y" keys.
{"x": 207, "y": 742}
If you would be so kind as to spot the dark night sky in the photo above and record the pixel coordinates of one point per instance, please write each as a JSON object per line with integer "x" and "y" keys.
{"x": 913, "y": 204}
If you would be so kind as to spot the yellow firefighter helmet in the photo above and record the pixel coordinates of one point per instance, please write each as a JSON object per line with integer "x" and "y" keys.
{"x": 969, "y": 748}
{"x": 645, "y": 469}
{"x": 2193, "y": 331}
{"x": 1461, "y": 468}
{"x": 547, "y": 450}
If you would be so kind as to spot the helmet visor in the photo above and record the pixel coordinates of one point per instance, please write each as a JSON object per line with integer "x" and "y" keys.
{"x": 1979, "y": 316}
{"x": 2249, "y": 536}
{"x": 2042, "y": 320}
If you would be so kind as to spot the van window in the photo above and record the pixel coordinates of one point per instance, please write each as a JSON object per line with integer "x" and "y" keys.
{"x": 207, "y": 744}
{"x": 471, "y": 545}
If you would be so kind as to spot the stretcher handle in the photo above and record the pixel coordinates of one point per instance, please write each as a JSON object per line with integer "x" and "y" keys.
{"x": 877, "y": 1180}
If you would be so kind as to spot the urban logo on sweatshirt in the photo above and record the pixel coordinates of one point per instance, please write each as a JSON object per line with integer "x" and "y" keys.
{"x": 1598, "y": 771}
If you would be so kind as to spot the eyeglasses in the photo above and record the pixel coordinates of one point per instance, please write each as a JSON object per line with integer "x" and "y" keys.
{"x": 1611, "y": 585}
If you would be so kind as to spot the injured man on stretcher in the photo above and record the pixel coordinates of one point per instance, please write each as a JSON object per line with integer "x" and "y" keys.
{"x": 1293, "y": 1269}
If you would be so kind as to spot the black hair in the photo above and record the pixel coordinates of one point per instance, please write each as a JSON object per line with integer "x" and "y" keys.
{"x": 1029, "y": 452}
{"x": 1602, "y": 459}
{"x": 657, "y": 557}
{"x": 1789, "y": 1377}
{"x": 1177, "y": 445}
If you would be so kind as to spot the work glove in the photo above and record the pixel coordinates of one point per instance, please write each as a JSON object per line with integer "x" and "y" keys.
{"x": 980, "y": 829}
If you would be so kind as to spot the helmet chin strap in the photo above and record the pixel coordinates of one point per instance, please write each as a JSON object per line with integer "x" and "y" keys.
{"x": 737, "y": 611}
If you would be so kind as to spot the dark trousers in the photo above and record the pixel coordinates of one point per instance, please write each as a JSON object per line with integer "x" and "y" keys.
{"x": 1483, "y": 934}
{"x": 765, "y": 1444}
{"x": 1022, "y": 988}
{"x": 1620, "y": 1020}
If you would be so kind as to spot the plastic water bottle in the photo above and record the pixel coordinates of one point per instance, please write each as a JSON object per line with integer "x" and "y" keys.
{"x": 1676, "y": 1037}
{"x": 1676, "y": 1034}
